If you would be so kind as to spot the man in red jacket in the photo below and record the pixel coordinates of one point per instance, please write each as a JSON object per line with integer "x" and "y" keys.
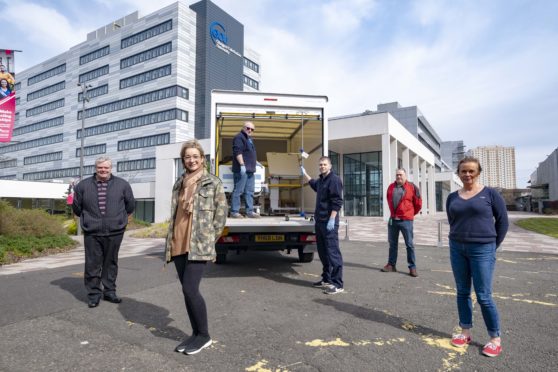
{"x": 404, "y": 203}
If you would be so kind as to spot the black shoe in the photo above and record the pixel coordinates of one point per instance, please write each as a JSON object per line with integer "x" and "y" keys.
{"x": 93, "y": 303}
{"x": 180, "y": 348}
{"x": 321, "y": 284}
{"x": 199, "y": 343}
{"x": 112, "y": 298}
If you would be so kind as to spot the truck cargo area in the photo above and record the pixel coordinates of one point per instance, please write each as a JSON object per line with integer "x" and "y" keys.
{"x": 290, "y": 130}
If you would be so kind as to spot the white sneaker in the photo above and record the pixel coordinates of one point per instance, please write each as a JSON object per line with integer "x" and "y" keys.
{"x": 333, "y": 290}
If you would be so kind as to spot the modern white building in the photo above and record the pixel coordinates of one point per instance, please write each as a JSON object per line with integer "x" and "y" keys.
{"x": 498, "y": 165}
{"x": 149, "y": 81}
{"x": 544, "y": 184}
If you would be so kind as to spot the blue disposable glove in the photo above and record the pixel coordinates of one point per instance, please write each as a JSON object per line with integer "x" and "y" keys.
{"x": 242, "y": 169}
{"x": 330, "y": 224}
{"x": 302, "y": 170}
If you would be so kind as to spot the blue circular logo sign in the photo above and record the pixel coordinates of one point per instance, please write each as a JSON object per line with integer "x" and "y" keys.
{"x": 217, "y": 32}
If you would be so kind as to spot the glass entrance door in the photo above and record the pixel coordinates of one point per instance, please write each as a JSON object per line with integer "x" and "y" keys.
{"x": 362, "y": 177}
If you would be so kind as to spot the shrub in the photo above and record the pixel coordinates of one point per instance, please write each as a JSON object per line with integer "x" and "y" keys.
{"x": 28, "y": 222}
{"x": 158, "y": 230}
{"x": 29, "y": 233}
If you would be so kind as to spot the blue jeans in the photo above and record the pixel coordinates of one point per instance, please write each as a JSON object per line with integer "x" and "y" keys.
{"x": 475, "y": 261}
{"x": 243, "y": 184}
{"x": 330, "y": 254}
{"x": 406, "y": 228}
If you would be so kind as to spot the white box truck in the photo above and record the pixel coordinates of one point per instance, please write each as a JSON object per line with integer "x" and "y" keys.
{"x": 291, "y": 130}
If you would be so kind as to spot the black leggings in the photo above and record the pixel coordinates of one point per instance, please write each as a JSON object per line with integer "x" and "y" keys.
{"x": 190, "y": 274}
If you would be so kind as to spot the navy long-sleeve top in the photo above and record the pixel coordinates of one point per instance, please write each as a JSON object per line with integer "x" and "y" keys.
{"x": 244, "y": 144}
{"x": 329, "y": 196}
{"x": 480, "y": 219}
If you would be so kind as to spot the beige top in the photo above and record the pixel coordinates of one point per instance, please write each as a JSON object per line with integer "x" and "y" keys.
{"x": 183, "y": 219}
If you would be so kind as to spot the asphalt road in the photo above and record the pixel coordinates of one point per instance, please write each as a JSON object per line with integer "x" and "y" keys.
{"x": 265, "y": 316}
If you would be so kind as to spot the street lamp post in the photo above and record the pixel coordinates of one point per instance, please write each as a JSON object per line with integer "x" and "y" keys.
{"x": 84, "y": 88}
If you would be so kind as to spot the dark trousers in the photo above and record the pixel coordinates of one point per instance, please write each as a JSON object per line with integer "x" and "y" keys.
{"x": 190, "y": 274}
{"x": 101, "y": 264}
{"x": 406, "y": 228}
{"x": 330, "y": 254}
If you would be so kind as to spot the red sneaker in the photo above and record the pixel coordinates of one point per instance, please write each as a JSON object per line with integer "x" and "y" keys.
{"x": 460, "y": 340}
{"x": 492, "y": 350}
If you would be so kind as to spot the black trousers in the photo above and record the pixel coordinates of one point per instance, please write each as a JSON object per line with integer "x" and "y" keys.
{"x": 101, "y": 264}
{"x": 330, "y": 254}
{"x": 190, "y": 274}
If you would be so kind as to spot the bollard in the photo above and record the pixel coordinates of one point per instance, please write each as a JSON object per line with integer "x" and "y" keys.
{"x": 440, "y": 244}
{"x": 347, "y": 230}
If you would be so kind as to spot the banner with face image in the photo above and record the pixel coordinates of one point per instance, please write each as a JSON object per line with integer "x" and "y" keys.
{"x": 7, "y": 94}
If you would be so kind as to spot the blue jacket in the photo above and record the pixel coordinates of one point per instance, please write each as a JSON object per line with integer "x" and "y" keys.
{"x": 120, "y": 203}
{"x": 329, "y": 196}
{"x": 481, "y": 219}
{"x": 244, "y": 145}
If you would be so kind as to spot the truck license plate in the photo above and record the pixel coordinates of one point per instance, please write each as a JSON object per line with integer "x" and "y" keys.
{"x": 269, "y": 238}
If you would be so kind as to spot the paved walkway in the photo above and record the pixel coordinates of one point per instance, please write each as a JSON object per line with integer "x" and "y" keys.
{"x": 374, "y": 229}
{"x": 368, "y": 229}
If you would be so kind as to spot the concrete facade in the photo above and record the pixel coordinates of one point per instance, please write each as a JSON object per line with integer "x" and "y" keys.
{"x": 150, "y": 80}
{"x": 397, "y": 147}
{"x": 544, "y": 180}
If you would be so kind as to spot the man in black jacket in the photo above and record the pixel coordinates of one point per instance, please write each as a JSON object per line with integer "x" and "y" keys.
{"x": 103, "y": 202}
{"x": 329, "y": 200}
{"x": 244, "y": 169}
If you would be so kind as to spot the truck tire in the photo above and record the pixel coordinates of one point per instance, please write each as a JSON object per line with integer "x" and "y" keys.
{"x": 305, "y": 256}
{"x": 221, "y": 258}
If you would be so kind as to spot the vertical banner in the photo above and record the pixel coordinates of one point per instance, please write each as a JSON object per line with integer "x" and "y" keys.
{"x": 7, "y": 117}
{"x": 7, "y": 94}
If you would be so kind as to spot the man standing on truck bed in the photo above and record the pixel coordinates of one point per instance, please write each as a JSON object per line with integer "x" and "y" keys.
{"x": 243, "y": 168}
{"x": 329, "y": 200}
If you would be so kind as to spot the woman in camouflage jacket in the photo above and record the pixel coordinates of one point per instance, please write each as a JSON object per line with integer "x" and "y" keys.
{"x": 198, "y": 216}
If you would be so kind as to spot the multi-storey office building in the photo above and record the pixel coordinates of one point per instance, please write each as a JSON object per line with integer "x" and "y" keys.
{"x": 498, "y": 165}
{"x": 452, "y": 153}
{"x": 149, "y": 83}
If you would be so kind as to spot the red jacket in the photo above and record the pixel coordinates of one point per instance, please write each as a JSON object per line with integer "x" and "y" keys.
{"x": 409, "y": 205}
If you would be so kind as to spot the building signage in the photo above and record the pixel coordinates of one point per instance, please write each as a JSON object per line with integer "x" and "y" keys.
{"x": 219, "y": 37}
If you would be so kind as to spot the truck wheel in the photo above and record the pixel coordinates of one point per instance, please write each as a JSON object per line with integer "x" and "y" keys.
{"x": 305, "y": 256}
{"x": 221, "y": 258}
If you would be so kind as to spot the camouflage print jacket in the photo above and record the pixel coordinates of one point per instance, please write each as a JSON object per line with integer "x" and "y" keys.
{"x": 208, "y": 217}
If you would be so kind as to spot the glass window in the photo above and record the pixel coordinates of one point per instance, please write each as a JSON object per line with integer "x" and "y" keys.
{"x": 362, "y": 189}
{"x": 145, "y": 76}
{"x": 46, "y": 91}
{"x": 43, "y": 158}
{"x": 96, "y": 54}
{"x": 44, "y": 108}
{"x": 132, "y": 165}
{"x": 47, "y": 74}
{"x": 146, "y": 34}
{"x": 146, "y": 55}
{"x": 94, "y": 74}
{"x": 8, "y": 163}
{"x": 251, "y": 82}
{"x": 33, "y": 143}
{"x": 94, "y": 92}
{"x": 133, "y": 101}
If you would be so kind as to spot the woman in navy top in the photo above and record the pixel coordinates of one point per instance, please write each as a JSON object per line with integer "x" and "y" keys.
{"x": 478, "y": 224}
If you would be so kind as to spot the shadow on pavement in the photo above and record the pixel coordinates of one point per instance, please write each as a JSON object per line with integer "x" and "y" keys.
{"x": 269, "y": 265}
{"x": 154, "y": 318}
{"x": 74, "y": 286}
{"x": 381, "y": 317}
